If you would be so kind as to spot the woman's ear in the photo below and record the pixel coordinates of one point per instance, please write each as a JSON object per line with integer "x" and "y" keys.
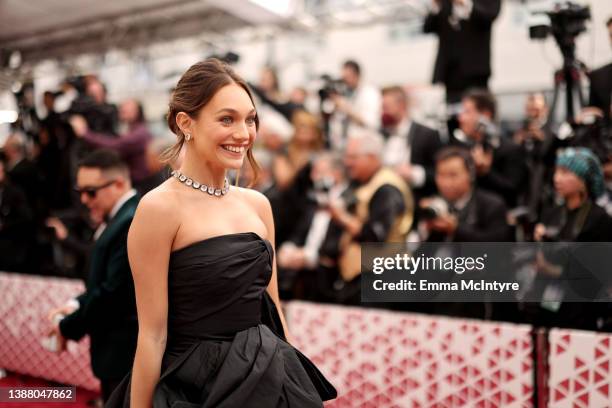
{"x": 184, "y": 122}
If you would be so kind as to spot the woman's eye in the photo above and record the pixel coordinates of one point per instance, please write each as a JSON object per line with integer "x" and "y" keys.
{"x": 226, "y": 120}
{"x": 251, "y": 120}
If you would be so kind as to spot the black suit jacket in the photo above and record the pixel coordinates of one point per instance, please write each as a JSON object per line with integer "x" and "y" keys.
{"x": 16, "y": 228}
{"x": 483, "y": 219}
{"x": 508, "y": 176}
{"x": 424, "y": 143}
{"x": 468, "y": 49}
{"x": 25, "y": 175}
{"x": 601, "y": 88}
{"x": 108, "y": 307}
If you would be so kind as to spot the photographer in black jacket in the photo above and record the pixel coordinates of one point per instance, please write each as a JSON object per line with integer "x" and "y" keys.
{"x": 464, "y": 51}
{"x": 500, "y": 164}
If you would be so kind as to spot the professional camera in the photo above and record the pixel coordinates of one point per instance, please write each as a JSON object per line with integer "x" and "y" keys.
{"x": 331, "y": 87}
{"x": 552, "y": 233}
{"x": 78, "y": 83}
{"x": 229, "y": 57}
{"x": 321, "y": 188}
{"x": 592, "y": 132}
{"x": 490, "y": 135}
{"x": 435, "y": 208}
{"x": 565, "y": 21}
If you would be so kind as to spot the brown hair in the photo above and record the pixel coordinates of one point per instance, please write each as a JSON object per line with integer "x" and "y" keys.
{"x": 398, "y": 92}
{"x": 304, "y": 118}
{"x": 483, "y": 99}
{"x": 193, "y": 91}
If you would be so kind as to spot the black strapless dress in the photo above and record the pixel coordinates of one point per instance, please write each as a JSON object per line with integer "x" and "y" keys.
{"x": 226, "y": 347}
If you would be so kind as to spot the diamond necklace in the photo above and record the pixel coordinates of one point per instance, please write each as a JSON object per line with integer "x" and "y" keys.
{"x": 218, "y": 192}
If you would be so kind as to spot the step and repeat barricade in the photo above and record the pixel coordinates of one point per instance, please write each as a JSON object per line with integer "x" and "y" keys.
{"x": 24, "y": 305}
{"x": 580, "y": 375}
{"x": 375, "y": 358}
{"x": 379, "y": 358}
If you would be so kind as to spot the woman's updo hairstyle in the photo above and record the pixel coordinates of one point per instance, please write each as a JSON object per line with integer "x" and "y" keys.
{"x": 193, "y": 91}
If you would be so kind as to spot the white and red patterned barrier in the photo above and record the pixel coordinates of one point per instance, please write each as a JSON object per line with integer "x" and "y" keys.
{"x": 24, "y": 304}
{"x": 579, "y": 369}
{"x": 375, "y": 358}
{"x": 379, "y": 358}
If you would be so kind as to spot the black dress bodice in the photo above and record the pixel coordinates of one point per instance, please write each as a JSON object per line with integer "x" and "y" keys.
{"x": 215, "y": 287}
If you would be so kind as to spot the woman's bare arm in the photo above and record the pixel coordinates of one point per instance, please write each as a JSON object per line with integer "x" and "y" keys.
{"x": 149, "y": 244}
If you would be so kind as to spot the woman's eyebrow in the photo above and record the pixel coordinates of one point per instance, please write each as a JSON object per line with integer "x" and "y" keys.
{"x": 234, "y": 111}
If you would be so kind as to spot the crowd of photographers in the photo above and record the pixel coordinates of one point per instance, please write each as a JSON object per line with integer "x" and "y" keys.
{"x": 357, "y": 169}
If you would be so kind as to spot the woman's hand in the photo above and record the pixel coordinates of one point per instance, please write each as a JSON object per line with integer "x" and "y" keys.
{"x": 539, "y": 232}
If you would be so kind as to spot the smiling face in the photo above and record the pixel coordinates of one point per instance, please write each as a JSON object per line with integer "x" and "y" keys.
{"x": 224, "y": 129}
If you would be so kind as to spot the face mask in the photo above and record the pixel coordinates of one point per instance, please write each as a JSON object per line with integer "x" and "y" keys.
{"x": 388, "y": 121}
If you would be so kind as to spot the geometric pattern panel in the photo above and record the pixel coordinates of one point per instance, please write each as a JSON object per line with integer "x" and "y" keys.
{"x": 26, "y": 301}
{"x": 580, "y": 373}
{"x": 377, "y": 358}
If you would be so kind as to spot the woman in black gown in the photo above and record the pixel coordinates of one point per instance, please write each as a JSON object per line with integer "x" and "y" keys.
{"x": 211, "y": 331}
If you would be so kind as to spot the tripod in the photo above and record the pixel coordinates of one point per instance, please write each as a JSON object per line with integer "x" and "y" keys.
{"x": 569, "y": 75}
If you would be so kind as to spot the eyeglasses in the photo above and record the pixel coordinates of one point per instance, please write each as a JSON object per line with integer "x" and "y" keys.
{"x": 92, "y": 191}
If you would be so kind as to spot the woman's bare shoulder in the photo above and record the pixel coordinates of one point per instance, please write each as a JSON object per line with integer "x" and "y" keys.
{"x": 160, "y": 204}
{"x": 261, "y": 205}
{"x": 255, "y": 198}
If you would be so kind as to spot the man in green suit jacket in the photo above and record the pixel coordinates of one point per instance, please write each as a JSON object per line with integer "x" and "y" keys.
{"x": 107, "y": 309}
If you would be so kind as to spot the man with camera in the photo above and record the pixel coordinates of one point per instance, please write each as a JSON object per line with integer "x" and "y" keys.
{"x": 382, "y": 212}
{"x": 355, "y": 105}
{"x": 315, "y": 234}
{"x": 462, "y": 212}
{"x": 500, "y": 165}
{"x": 464, "y": 51}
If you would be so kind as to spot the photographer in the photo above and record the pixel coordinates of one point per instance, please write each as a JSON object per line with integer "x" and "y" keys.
{"x": 101, "y": 116}
{"x": 355, "y": 105}
{"x": 578, "y": 180}
{"x": 462, "y": 213}
{"x": 131, "y": 145}
{"x": 383, "y": 212}
{"x": 55, "y": 139}
{"x": 464, "y": 50}
{"x": 16, "y": 225}
{"x": 500, "y": 164}
{"x": 531, "y": 133}
{"x": 268, "y": 91}
{"x": 298, "y": 257}
{"x": 290, "y": 171}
